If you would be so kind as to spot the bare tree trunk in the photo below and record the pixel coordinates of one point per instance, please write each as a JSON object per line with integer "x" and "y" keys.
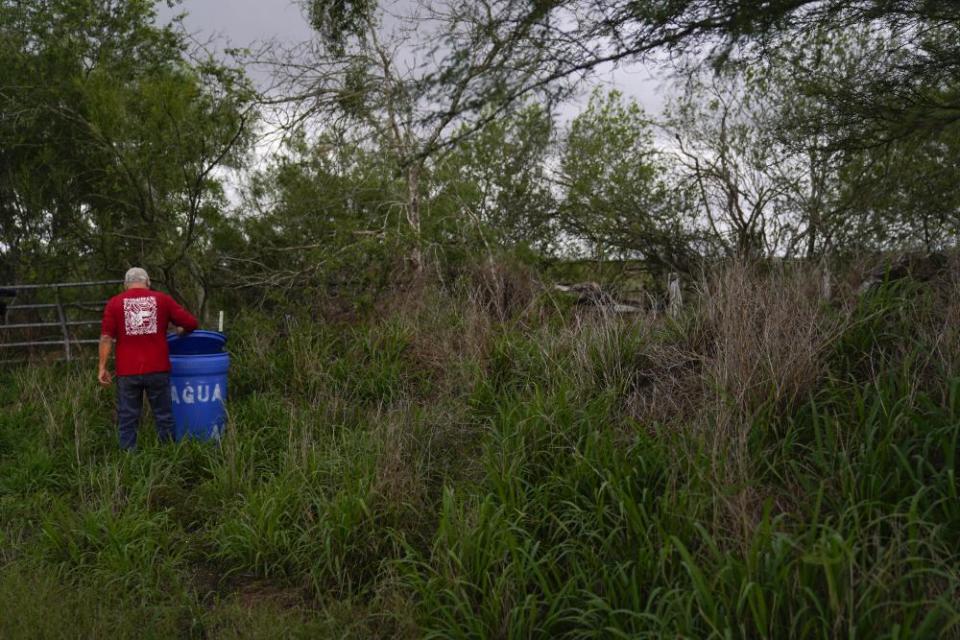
{"x": 826, "y": 282}
{"x": 813, "y": 232}
{"x": 816, "y": 204}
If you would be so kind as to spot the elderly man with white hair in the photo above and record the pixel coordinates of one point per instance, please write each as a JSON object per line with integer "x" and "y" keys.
{"x": 137, "y": 321}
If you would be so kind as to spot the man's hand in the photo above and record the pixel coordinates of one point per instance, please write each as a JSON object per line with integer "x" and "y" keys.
{"x": 104, "y": 377}
{"x": 179, "y": 331}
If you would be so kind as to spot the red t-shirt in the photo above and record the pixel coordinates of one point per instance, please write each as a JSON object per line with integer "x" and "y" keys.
{"x": 137, "y": 319}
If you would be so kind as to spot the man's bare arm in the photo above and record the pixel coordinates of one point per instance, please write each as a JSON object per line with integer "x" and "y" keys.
{"x": 106, "y": 345}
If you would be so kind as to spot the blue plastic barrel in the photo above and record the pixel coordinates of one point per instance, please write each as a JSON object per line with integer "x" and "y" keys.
{"x": 198, "y": 384}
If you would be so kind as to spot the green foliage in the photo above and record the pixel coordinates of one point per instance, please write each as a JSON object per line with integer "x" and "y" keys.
{"x": 536, "y": 50}
{"x": 618, "y": 198}
{"x": 905, "y": 194}
{"x": 112, "y": 137}
{"x": 323, "y": 215}
{"x": 492, "y": 190}
{"x": 337, "y": 20}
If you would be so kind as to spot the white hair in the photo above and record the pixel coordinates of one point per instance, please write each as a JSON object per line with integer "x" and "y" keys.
{"x": 136, "y": 274}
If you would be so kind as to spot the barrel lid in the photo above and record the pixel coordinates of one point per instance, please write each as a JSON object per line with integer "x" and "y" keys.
{"x": 199, "y": 342}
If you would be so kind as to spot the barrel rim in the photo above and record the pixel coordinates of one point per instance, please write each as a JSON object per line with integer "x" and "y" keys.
{"x": 192, "y": 356}
{"x": 201, "y": 333}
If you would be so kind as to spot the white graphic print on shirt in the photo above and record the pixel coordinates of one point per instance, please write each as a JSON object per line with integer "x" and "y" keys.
{"x": 140, "y": 316}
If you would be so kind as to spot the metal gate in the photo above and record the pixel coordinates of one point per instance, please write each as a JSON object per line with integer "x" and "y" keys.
{"x": 52, "y": 319}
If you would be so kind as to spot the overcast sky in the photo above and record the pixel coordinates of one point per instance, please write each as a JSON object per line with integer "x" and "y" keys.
{"x": 240, "y": 23}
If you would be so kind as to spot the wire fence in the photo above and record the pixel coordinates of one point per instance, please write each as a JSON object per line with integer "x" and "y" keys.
{"x": 51, "y": 321}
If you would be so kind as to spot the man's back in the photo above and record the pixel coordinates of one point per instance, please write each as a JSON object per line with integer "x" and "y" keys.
{"x": 137, "y": 319}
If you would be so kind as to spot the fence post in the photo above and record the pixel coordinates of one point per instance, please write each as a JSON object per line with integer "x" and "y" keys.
{"x": 63, "y": 324}
{"x": 674, "y": 295}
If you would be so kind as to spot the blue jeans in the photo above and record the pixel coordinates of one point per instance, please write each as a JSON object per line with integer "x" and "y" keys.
{"x": 130, "y": 390}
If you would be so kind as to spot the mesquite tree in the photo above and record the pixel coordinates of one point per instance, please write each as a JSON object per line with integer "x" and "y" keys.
{"x": 112, "y": 130}
{"x": 380, "y": 77}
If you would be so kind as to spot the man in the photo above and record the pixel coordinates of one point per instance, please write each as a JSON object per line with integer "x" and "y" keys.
{"x": 137, "y": 320}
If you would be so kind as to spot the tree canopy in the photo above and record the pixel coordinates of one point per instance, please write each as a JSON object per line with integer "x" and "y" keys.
{"x": 111, "y": 135}
{"x": 431, "y": 141}
{"x": 542, "y": 48}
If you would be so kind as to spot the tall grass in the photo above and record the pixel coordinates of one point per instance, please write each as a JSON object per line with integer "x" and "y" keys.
{"x": 491, "y": 463}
